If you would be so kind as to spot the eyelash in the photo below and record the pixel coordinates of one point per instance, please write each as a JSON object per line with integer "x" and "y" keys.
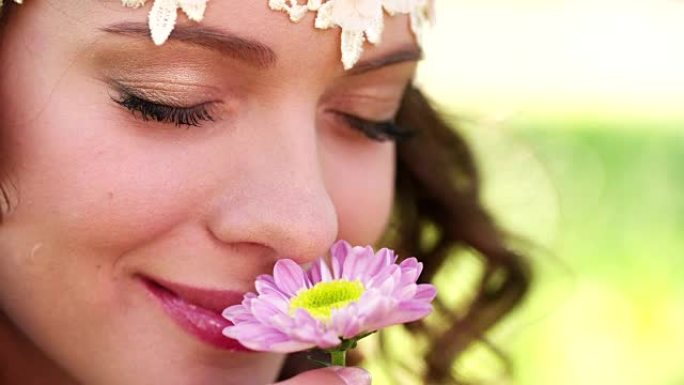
{"x": 380, "y": 131}
{"x": 180, "y": 116}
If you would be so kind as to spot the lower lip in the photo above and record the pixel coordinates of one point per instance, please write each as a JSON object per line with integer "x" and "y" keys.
{"x": 198, "y": 321}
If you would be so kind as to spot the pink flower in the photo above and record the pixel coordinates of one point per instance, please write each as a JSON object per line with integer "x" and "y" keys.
{"x": 296, "y": 310}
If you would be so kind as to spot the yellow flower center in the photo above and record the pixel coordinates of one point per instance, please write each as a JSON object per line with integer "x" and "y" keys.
{"x": 321, "y": 299}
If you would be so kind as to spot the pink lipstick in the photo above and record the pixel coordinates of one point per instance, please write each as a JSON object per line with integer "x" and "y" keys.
{"x": 198, "y": 311}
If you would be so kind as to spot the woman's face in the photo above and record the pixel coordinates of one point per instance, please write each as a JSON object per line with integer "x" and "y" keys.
{"x": 114, "y": 209}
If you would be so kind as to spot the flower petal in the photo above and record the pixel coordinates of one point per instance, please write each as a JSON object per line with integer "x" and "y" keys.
{"x": 289, "y": 346}
{"x": 387, "y": 279}
{"x": 265, "y": 284}
{"x": 339, "y": 252}
{"x": 264, "y": 309}
{"x": 289, "y": 277}
{"x": 309, "y": 329}
{"x": 410, "y": 270}
{"x": 238, "y": 314}
{"x": 384, "y": 257}
{"x": 405, "y": 292}
{"x": 347, "y": 322}
{"x": 263, "y": 338}
{"x": 355, "y": 264}
{"x": 425, "y": 292}
{"x": 411, "y": 311}
{"x": 320, "y": 272}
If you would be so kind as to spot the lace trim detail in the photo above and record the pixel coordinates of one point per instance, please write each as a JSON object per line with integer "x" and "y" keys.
{"x": 164, "y": 13}
{"x": 359, "y": 20}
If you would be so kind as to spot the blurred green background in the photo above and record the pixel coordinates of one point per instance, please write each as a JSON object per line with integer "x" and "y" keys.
{"x": 576, "y": 112}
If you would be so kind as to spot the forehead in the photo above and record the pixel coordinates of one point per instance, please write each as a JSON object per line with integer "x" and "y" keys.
{"x": 296, "y": 45}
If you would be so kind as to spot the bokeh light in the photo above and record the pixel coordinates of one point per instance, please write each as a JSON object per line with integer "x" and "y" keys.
{"x": 575, "y": 111}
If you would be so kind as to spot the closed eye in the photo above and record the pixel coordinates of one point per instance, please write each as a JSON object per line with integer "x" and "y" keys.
{"x": 147, "y": 110}
{"x": 380, "y": 131}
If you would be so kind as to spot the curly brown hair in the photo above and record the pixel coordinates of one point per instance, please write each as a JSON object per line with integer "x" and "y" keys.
{"x": 437, "y": 212}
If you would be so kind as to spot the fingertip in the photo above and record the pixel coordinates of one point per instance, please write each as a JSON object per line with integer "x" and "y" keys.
{"x": 353, "y": 375}
{"x": 334, "y": 375}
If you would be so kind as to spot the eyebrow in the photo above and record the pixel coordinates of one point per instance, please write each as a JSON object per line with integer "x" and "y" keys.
{"x": 251, "y": 51}
{"x": 404, "y": 54}
{"x": 224, "y": 42}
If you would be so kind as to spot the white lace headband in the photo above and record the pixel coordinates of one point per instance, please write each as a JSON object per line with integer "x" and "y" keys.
{"x": 359, "y": 20}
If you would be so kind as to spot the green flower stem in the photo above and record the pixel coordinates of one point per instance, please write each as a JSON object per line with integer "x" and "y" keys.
{"x": 338, "y": 354}
{"x": 339, "y": 358}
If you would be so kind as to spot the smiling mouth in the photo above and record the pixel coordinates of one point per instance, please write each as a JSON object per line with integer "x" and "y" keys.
{"x": 197, "y": 311}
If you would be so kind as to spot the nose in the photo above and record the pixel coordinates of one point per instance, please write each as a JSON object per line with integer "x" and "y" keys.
{"x": 274, "y": 195}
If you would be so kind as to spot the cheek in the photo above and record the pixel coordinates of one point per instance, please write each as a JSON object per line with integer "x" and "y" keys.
{"x": 86, "y": 181}
{"x": 76, "y": 177}
{"x": 361, "y": 186}
{"x": 83, "y": 177}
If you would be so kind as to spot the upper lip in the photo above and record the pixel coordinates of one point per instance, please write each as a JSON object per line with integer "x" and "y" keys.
{"x": 211, "y": 299}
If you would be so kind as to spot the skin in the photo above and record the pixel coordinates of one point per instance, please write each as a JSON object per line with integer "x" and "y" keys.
{"x": 101, "y": 196}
